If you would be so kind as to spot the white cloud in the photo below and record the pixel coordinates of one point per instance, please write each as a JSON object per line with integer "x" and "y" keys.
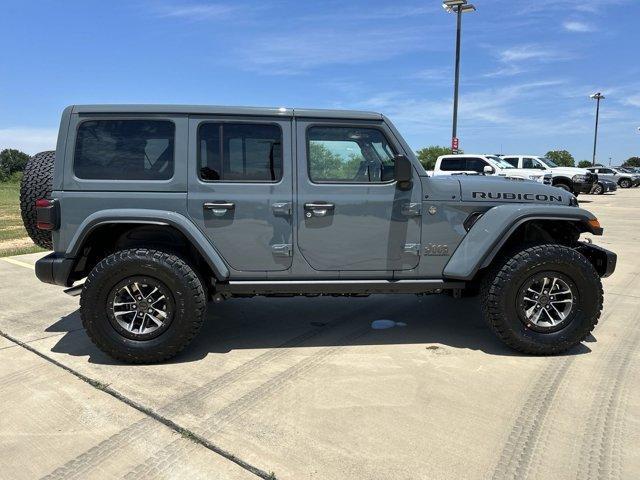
{"x": 633, "y": 100}
{"x": 433, "y": 74}
{"x": 485, "y": 108}
{"x": 300, "y": 51}
{"x": 197, "y": 11}
{"x": 578, "y": 27}
{"x": 379, "y": 13}
{"x": 508, "y": 70}
{"x": 521, "y": 53}
{"x": 29, "y": 140}
{"x": 551, "y": 6}
{"x": 519, "y": 59}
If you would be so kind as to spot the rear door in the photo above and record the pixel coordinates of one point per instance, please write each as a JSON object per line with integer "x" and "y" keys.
{"x": 240, "y": 189}
{"x": 352, "y": 217}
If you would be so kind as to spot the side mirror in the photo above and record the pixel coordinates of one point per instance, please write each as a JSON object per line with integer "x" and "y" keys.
{"x": 488, "y": 170}
{"x": 403, "y": 172}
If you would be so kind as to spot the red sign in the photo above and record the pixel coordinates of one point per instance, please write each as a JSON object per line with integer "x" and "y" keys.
{"x": 454, "y": 144}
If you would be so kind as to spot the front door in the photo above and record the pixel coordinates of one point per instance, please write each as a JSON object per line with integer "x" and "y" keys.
{"x": 240, "y": 189}
{"x": 351, "y": 214}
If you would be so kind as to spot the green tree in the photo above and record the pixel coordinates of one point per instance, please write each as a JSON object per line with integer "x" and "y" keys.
{"x": 561, "y": 157}
{"x": 327, "y": 165}
{"x": 12, "y": 161}
{"x": 584, "y": 163}
{"x": 633, "y": 162}
{"x": 429, "y": 155}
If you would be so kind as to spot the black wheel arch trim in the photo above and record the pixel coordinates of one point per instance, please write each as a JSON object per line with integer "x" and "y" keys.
{"x": 155, "y": 217}
{"x": 454, "y": 269}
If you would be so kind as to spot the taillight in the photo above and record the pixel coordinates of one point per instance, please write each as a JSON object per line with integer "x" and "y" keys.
{"x": 47, "y": 214}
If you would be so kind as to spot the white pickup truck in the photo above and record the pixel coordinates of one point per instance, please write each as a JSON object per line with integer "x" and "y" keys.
{"x": 571, "y": 179}
{"x": 475, "y": 164}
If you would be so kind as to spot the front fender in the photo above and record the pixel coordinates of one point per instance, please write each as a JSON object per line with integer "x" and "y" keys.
{"x": 489, "y": 233}
{"x": 150, "y": 217}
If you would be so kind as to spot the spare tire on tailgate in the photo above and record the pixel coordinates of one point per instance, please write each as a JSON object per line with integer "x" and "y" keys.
{"x": 37, "y": 183}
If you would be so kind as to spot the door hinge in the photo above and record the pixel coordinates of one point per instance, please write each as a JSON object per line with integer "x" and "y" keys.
{"x": 281, "y": 208}
{"x": 281, "y": 249}
{"x": 411, "y": 209}
{"x": 412, "y": 248}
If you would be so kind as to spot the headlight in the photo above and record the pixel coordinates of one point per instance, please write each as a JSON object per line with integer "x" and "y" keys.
{"x": 579, "y": 178}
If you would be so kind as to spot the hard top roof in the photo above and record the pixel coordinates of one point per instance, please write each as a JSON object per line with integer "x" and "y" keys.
{"x": 222, "y": 110}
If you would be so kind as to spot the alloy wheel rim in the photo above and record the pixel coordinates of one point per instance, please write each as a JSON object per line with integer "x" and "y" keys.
{"x": 140, "y": 308}
{"x": 546, "y": 302}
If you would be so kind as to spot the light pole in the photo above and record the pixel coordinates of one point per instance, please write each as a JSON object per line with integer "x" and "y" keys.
{"x": 458, "y": 7}
{"x": 596, "y": 96}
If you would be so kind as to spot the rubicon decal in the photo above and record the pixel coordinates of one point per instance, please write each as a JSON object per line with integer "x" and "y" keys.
{"x": 540, "y": 197}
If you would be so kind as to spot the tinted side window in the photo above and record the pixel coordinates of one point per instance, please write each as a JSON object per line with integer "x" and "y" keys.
{"x": 349, "y": 154}
{"x": 513, "y": 161}
{"x": 124, "y": 150}
{"x": 240, "y": 152}
{"x": 453, "y": 164}
{"x": 476, "y": 165}
{"x": 529, "y": 163}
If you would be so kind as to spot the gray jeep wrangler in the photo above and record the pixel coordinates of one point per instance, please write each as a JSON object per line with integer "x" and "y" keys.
{"x": 163, "y": 208}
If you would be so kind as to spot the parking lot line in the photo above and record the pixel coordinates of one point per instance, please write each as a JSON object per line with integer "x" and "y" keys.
{"x": 13, "y": 261}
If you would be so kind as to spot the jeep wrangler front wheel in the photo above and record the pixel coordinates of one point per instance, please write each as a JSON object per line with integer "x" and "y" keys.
{"x": 543, "y": 299}
{"x": 142, "y": 306}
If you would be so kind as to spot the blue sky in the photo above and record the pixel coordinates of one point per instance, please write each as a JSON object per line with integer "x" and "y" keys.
{"x": 528, "y": 67}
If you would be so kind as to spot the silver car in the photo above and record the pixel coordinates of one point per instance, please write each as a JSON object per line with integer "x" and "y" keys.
{"x": 624, "y": 180}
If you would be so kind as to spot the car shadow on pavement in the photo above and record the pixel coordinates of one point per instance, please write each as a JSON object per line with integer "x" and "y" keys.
{"x": 432, "y": 322}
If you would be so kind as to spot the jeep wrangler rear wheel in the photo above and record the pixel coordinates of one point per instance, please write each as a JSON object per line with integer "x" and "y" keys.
{"x": 37, "y": 183}
{"x": 543, "y": 299}
{"x": 142, "y": 306}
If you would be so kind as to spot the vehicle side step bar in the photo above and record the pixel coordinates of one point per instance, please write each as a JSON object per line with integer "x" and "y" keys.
{"x": 333, "y": 287}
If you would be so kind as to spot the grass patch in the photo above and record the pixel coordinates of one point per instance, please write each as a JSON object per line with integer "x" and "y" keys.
{"x": 10, "y": 252}
{"x": 13, "y": 237}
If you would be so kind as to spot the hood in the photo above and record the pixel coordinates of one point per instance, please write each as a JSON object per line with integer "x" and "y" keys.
{"x": 570, "y": 170}
{"x": 497, "y": 190}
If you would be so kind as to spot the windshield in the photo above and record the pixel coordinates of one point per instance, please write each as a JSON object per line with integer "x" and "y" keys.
{"x": 548, "y": 162}
{"x": 501, "y": 163}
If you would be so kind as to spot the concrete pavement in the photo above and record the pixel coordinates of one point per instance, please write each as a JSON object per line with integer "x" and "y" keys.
{"x": 305, "y": 388}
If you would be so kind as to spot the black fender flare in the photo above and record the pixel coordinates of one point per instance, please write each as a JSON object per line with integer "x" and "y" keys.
{"x": 487, "y": 236}
{"x": 151, "y": 217}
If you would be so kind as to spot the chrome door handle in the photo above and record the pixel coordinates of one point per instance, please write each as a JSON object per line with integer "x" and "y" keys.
{"x": 219, "y": 208}
{"x": 318, "y": 209}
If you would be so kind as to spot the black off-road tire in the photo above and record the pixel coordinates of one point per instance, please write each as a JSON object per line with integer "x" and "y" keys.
{"x": 564, "y": 187}
{"x": 625, "y": 183}
{"x": 37, "y": 183}
{"x": 180, "y": 279}
{"x": 500, "y": 298}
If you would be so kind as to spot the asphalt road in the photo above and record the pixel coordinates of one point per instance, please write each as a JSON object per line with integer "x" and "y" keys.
{"x": 306, "y": 388}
